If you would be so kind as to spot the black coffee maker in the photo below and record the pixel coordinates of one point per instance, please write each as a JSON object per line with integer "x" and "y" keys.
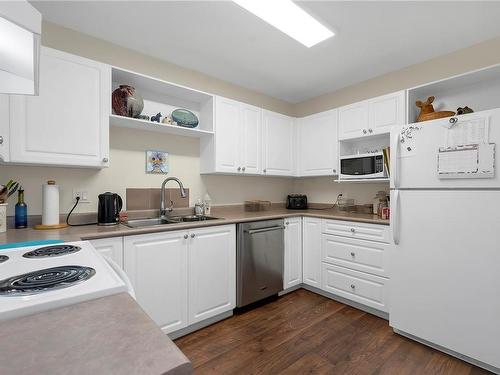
{"x": 108, "y": 210}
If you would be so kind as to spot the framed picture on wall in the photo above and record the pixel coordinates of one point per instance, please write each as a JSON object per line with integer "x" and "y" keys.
{"x": 157, "y": 162}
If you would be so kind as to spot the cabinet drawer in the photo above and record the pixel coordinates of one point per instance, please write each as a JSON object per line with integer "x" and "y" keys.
{"x": 363, "y": 288}
{"x": 361, "y": 255}
{"x": 364, "y": 231}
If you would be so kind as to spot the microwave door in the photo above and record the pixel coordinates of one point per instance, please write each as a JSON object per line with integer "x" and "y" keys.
{"x": 361, "y": 166}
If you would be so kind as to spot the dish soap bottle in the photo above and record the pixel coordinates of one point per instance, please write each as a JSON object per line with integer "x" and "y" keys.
{"x": 207, "y": 204}
{"x": 21, "y": 219}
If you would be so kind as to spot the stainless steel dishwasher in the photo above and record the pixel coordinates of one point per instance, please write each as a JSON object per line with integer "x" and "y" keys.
{"x": 260, "y": 251}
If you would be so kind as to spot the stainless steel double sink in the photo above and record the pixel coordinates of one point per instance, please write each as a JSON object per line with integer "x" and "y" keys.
{"x": 165, "y": 220}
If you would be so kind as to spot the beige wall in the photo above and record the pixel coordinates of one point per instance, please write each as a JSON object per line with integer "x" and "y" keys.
{"x": 461, "y": 61}
{"x": 127, "y": 147}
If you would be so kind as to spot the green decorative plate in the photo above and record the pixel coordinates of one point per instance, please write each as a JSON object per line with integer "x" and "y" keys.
{"x": 184, "y": 117}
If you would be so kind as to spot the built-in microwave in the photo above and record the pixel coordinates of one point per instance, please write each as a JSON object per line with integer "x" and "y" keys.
{"x": 363, "y": 166}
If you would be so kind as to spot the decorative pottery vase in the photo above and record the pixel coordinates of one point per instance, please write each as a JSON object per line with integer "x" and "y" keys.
{"x": 126, "y": 101}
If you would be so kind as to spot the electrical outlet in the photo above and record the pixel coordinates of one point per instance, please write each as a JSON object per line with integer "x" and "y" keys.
{"x": 83, "y": 194}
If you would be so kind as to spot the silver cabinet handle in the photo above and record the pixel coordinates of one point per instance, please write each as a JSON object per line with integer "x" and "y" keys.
{"x": 186, "y": 236}
{"x": 1, "y": 140}
{"x": 370, "y": 131}
{"x": 105, "y": 160}
{"x": 353, "y": 254}
{"x": 243, "y": 169}
{"x": 353, "y": 230}
{"x": 193, "y": 235}
{"x": 364, "y": 131}
{"x": 353, "y": 286}
{"x": 239, "y": 169}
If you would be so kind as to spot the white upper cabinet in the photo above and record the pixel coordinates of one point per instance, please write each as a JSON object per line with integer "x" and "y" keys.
{"x": 278, "y": 140}
{"x": 292, "y": 275}
{"x": 227, "y": 135}
{"x": 68, "y": 123}
{"x": 237, "y": 146}
{"x": 4, "y": 128}
{"x": 212, "y": 272}
{"x": 353, "y": 120}
{"x": 157, "y": 265}
{"x": 251, "y": 139}
{"x": 373, "y": 116}
{"x": 318, "y": 144}
{"x": 387, "y": 111}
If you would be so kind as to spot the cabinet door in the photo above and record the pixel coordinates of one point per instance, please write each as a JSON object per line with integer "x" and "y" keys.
{"x": 278, "y": 140}
{"x": 110, "y": 247}
{"x": 4, "y": 128}
{"x": 293, "y": 252}
{"x": 68, "y": 123}
{"x": 227, "y": 135}
{"x": 212, "y": 272}
{"x": 317, "y": 139}
{"x": 157, "y": 265}
{"x": 386, "y": 111}
{"x": 353, "y": 120}
{"x": 251, "y": 139}
{"x": 311, "y": 252}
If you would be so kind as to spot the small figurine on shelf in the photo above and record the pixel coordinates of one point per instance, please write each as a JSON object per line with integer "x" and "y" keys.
{"x": 168, "y": 120}
{"x": 156, "y": 118}
{"x": 464, "y": 110}
{"x": 427, "y": 111}
{"x": 142, "y": 117}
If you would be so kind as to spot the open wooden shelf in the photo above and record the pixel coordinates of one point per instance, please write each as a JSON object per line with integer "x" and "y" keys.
{"x": 133, "y": 123}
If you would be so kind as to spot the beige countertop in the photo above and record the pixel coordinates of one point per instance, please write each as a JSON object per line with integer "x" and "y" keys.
{"x": 110, "y": 335}
{"x": 228, "y": 215}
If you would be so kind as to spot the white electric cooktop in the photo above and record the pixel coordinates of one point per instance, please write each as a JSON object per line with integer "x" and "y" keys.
{"x": 39, "y": 278}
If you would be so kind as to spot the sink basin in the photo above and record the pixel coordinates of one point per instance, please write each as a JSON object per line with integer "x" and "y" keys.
{"x": 138, "y": 223}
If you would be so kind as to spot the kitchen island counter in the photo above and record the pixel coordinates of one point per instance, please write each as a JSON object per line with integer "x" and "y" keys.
{"x": 110, "y": 335}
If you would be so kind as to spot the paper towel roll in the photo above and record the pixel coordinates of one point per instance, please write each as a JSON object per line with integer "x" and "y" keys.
{"x": 50, "y": 203}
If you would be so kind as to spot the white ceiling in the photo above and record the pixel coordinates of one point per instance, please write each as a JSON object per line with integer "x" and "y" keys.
{"x": 223, "y": 40}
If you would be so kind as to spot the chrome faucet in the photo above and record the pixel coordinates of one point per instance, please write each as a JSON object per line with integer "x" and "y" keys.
{"x": 164, "y": 210}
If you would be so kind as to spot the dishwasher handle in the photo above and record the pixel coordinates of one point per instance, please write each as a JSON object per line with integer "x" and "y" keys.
{"x": 267, "y": 229}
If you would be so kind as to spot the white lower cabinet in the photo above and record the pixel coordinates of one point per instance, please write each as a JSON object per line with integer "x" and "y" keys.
{"x": 111, "y": 248}
{"x": 292, "y": 275}
{"x": 360, "y": 287}
{"x": 183, "y": 277}
{"x": 311, "y": 251}
{"x": 157, "y": 265}
{"x": 212, "y": 272}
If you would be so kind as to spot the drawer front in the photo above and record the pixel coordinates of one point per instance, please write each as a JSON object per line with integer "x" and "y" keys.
{"x": 363, "y": 288}
{"x": 361, "y": 255}
{"x": 363, "y": 231}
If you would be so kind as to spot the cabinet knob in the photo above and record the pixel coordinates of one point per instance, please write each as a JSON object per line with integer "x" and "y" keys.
{"x": 364, "y": 131}
{"x": 239, "y": 169}
{"x": 353, "y": 230}
{"x": 243, "y": 169}
{"x": 105, "y": 160}
{"x": 353, "y": 254}
{"x": 370, "y": 131}
{"x": 334, "y": 171}
{"x": 265, "y": 170}
{"x": 1, "y": 140}
{"x": 287, "y": 223}
{"x": 193, "y": 235}
{"x": 186, "y": 236}
{"x": 353, "y": 286}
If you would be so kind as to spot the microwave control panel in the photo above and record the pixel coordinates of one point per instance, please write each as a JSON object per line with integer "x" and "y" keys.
{"x": 379, "y": 163}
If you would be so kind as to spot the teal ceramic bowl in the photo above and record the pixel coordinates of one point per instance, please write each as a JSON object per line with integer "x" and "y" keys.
{"x": 184, "y": 117}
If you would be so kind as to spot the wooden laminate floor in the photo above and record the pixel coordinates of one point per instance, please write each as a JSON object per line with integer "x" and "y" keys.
{"x": 305, "y": 333}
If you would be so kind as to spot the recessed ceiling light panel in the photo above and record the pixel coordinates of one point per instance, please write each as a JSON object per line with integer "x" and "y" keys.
{"x": 288, "y": 17}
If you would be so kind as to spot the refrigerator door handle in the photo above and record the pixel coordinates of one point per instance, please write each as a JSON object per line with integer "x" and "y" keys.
{"x": 395, "y": 218}
{"x": 395, "y": 156}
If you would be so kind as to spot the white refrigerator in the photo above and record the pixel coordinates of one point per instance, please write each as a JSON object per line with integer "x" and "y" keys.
{"x": 445, "y": 262}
